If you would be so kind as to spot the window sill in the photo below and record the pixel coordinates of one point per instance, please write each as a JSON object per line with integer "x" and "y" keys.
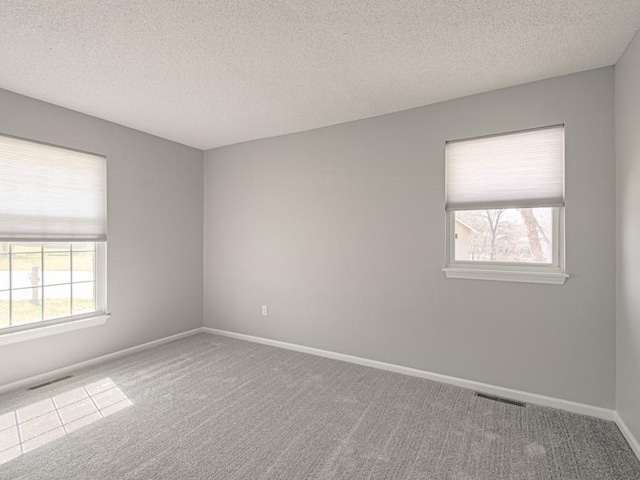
{"x": 552, "y": 278}
{"x": 38, "y": 331}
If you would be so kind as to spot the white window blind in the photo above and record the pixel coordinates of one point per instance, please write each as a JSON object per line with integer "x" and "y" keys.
{"x": 51, "y": 193}
{"x": 521, "y": 169}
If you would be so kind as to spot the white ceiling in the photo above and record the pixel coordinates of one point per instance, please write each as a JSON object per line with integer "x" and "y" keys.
{"x": 212, "y": 73}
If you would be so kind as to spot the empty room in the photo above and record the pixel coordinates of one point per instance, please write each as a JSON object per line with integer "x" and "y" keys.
{"x": 320, "y": 240}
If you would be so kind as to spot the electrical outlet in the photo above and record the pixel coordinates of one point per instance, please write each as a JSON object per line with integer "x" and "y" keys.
{"x": 265, "y": 312}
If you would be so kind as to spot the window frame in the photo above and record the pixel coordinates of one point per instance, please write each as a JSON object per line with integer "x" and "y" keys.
{"x": 526, "y": 272}
{"x": 551, "y": 273}
{"x": 43, "y": 328}
{"x": 99, "y": 316}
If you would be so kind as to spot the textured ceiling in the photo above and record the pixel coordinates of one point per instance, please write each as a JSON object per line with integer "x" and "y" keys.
{"x": 212, "y": 73}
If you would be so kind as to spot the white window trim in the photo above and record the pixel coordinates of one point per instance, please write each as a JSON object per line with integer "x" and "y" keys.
{"x": 553, "y": 273}
{"x": 45, "y": 328}
{"x": 63, "y": 325}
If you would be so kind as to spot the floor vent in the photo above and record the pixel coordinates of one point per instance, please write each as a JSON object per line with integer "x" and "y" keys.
{"x": 501, "y": 399}
{"x": 50, "y": 383}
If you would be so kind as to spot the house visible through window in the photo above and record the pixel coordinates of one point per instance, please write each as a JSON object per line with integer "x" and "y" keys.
{"x": 52, "y": 234}
{"x": 505, "y": 206}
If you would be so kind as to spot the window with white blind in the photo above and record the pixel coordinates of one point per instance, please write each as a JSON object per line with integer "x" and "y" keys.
{"x": 505, "y": 206}
{"x": 52, "y": 239}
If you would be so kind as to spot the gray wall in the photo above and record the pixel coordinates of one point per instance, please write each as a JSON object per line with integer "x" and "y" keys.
{"x": 155, "y": 195}
{"x": 340, "y": 231}
{"x": 628, "y": 197}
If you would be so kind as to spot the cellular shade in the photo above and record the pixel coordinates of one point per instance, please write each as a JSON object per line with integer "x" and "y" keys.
{"x": 51, "y": 193}
{"x": 521, "y": 169}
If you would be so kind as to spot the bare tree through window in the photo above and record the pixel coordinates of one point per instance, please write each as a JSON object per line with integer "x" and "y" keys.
{"x": 504, "y": 235}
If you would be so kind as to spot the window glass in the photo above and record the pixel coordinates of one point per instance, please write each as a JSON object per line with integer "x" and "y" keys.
{"x": 514, "y": 235}
{"x": 25, "y": 268}
{"x": 26, "y": 305}
{"x": 57, "y": 301}
{"x": 44, "y": 281}
{"x": 4, "y": 309}
{"x": 4, "y": 271}
{"x": 83, "y": 297}
{"x": 83, "y": 266}
{"x": 57, "y": 267}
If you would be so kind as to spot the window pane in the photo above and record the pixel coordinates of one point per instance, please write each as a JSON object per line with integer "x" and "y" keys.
{"x": 4, "y": 271}
{"x": 56, "y": 246}
{"x": 57, "y": 268}
{"x": 520, "y": 235}
{"x": 25, "y": 270}
{"x": 83, "y": 266}
{"x": 57, "y": 301}
{"x": 4, "y": 309}
{"x": 43, "y": 281}
{"x": 23, "y": 247}
{"x": 84, "y": 246}
{"x": 83, "y": 298}
{"x": 26, "y": 305}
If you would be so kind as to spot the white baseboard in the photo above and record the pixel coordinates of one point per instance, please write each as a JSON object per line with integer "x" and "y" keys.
{"x": 534, "y": 398}
{"x": 60, "y": 372}
{"x": 631, "y": 440}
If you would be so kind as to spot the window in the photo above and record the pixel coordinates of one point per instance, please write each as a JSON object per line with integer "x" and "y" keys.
{"x": 505, "y": 207}
{"x": 52, "y": 238}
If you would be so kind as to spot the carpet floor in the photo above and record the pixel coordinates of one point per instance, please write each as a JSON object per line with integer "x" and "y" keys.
{"x": 211, "y": 407}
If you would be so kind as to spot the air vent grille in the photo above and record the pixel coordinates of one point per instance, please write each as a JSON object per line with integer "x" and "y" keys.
{"x": 50, "y": 382}
{"x": 501, "y": 399}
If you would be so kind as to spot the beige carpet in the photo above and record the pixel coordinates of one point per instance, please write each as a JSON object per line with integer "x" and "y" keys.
{"x": 209, "y": 407}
